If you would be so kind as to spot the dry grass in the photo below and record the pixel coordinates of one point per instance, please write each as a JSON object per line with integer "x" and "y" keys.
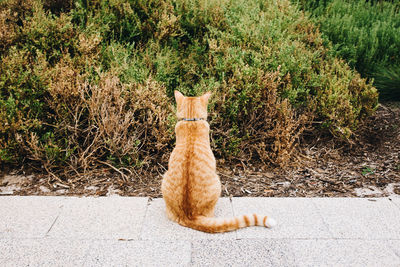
{"x": 270, "y": 125}
{"x": 110, "y": 124}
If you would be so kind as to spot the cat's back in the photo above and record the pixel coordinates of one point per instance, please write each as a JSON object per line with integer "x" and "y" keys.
{"x": 193, "y": 145}
{"x": 192, "y": 157}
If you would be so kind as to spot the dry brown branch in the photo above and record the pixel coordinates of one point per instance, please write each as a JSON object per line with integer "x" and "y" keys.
{"x": 115, "y": 169}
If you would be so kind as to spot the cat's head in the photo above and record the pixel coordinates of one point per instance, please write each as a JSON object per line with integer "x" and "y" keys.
{"x": 191, "y": 107}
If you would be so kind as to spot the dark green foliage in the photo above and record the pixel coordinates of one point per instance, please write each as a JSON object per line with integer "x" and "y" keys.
{"x": 388, "y": 81}
{"x": 365, "y": 33}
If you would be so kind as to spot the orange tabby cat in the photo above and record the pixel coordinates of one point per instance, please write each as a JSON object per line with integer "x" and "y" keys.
{"x": 191, "y": 186}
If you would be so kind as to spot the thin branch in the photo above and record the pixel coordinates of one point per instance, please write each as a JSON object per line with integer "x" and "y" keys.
{"x": 114, "y": 168}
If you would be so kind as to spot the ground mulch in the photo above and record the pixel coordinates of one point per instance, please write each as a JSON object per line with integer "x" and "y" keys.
{"x": 367, "y": 167}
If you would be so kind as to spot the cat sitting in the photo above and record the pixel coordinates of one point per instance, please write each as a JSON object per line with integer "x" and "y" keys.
{"x": 191, "y": 186}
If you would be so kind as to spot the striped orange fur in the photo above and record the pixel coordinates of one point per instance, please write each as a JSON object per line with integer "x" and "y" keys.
{"x": 191, "y": 186}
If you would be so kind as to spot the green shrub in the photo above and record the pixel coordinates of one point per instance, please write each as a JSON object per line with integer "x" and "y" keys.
{"x": 92, "y": 83}
{"x": 388, "y": 81}
{"x": 366, "y": 34}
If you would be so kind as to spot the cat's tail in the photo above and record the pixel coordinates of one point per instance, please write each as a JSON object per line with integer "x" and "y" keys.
{"x": 219, "y": 225}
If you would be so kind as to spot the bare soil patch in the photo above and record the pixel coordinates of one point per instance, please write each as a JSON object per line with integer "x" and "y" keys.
{"x": 369, "y": 167}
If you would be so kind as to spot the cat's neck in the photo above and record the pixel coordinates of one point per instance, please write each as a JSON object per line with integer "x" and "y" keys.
{"x": 192, "y": 119}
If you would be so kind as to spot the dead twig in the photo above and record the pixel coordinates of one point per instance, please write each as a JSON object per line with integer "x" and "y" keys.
{"x": 115, "y": 169}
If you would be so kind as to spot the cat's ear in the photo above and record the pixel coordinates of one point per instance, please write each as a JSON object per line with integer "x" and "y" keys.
{"x": 206, "y": 96}
{"x": 178, "y": 96}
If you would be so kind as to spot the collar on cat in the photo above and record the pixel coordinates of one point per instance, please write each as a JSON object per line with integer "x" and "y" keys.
{"x": 191, "y": 119}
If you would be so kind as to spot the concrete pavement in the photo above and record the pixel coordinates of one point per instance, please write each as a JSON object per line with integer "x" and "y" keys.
{"x": 128, "y": 231}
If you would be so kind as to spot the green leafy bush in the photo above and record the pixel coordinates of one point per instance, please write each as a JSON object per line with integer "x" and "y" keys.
{"x": 366, "y": 34}
{"x": 388, "y": 80}
{"x": 92, "y": 82}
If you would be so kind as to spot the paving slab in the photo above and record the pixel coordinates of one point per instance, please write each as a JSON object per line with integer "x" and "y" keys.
{"x": 101, "y": 218}
{"x": 395, "y": 245}
{"x": 293, "y": 252}
{"x": 139, "y": 253}
{"x": 159, "y": 227}
{"x": 296, "y": 218}
{"x": 125, "y": 231}
{"x": 61, "y": 252}
{"x": 43, "y": 252}
{"x": 364, "y": 218}
{"x": 27, "y": 217}
{"x": 245, "y": 252}
{"x": 395, "y": 201}
{"x": 343, "y": 252}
